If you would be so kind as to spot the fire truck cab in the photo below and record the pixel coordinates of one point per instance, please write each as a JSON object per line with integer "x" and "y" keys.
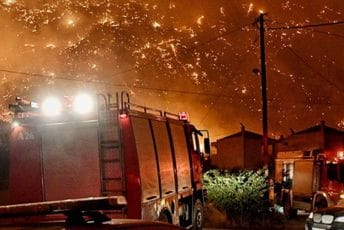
{"x": 121, "y": 161}
{"x": 309, "y": 180}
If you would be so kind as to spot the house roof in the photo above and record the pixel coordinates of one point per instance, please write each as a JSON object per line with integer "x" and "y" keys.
{"x": 238, "y": 134}
{"x": 317, "y": 128}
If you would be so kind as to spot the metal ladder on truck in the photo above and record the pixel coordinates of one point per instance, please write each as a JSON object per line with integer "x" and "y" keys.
{"x": 110, "y": 154}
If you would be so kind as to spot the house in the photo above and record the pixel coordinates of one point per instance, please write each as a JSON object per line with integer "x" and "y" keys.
{"x": 241, "y": 150}
{"x": 317, "y": 138}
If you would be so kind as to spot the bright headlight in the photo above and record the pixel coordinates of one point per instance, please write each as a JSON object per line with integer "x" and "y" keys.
{"x": 339, "y": 219}
{"x": 83, "y": 104}
{"x": 310, "y": 215}
{"x": 15, "y": 124}
{"x": 51, "y": 107}
{"x": 341, "y": 196}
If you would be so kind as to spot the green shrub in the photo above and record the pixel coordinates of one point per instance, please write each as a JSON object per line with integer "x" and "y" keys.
{"x": 241, "y": 195}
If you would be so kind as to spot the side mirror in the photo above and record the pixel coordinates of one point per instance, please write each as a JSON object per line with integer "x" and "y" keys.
{"x": 207, "y": 145}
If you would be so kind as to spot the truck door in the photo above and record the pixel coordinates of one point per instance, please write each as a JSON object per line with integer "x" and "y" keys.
{"x": 182, "y": 157}
{"x": 147, "y": 159}
{"x": 303, "y": 176}
{"x": 163, "y": 149}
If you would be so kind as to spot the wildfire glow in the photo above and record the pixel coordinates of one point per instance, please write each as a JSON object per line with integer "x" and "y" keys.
{"x": 70, "y": 22}
{"x": 50, "y": 45}
{"x": 244, "y": 90}
{"x": 250, "y": 8}
{"x": 156, "y": 24}
{"x": 200, "y": 20}
{"x": 208, "y": 47}
{"x": 9, "y": 2}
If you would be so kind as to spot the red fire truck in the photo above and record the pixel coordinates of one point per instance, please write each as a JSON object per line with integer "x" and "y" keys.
{"x": 123, "y": 161}
{"x": 309, "y": 179}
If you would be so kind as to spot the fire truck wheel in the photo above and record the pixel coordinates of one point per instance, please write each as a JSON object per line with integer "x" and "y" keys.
{"x": 165, "y": 216}
{"x": 198, "y": 215}
{"x": 320, "y": 202}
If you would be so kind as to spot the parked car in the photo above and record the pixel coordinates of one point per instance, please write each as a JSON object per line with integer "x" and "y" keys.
{"x": 327, "y": 218}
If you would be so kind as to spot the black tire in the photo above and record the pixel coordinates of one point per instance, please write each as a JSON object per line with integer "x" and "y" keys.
{"x": 165, "y": 217}
{"x": 197, "y": 215}
{"x": 320, "y": 202}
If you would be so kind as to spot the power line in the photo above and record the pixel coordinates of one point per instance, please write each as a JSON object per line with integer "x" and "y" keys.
{"x": 189, "y": 48}
{"x": 133, "y": 69}
{"x": 309, "y": 27}
{"x": 217, "y": 37}
{"x": 306, "y": 26}
{"x": 198, "y": 93}
{"x": 218, "y": 97}
{"x": 329, "y": 34}
{"x": 192, "y": 47}
{"x": 49, "y": 76}
{"x": 117, "y": 85}
{"x": 299, "y": 57}
{"x": 316, "y": 72}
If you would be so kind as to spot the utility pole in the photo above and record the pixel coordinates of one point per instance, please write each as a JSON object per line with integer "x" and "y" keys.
{"x": 264, "y": 94}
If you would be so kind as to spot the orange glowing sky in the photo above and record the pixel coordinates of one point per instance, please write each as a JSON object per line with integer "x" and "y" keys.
{"x": 179, "y": 55}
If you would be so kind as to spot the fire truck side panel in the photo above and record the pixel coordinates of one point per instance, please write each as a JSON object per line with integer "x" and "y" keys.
{"x": 157, "y": 173}
{"x": 147, "y": 161}
{"x": 132, "y": 173}
{"x": 303, "y": 177}
{"x": 163, "y": 148}
{"x": 181, "y": 156}
{"x": 25, "y": 173}
{"x": 166, "y": 204}
{"x": 134, "y": 164}
{"x": 70, "y": 161}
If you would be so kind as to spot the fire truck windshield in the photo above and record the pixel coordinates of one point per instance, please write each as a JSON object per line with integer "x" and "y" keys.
{"x": 341, "y": 172}
{"x": 335, "y": 171}
{"x": 332, "y": 171}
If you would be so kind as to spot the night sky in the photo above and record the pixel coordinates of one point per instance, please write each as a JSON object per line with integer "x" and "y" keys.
{"x": 181, "y": 55}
